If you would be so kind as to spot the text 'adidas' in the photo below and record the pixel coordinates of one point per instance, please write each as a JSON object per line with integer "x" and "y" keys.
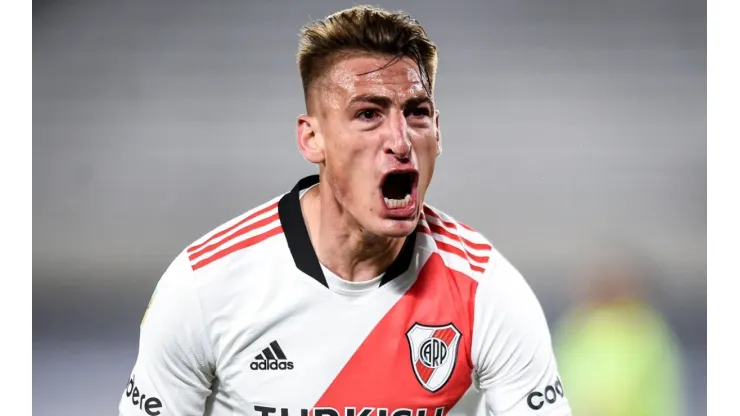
{"x": 271, "y": 358}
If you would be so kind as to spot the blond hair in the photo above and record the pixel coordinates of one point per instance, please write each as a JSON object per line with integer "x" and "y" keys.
{"x": 364, "y": 30}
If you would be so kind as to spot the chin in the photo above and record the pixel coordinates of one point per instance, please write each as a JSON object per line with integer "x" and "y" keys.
{"x": 397, "y": 228}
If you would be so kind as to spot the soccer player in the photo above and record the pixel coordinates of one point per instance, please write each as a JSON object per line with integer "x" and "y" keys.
{"x": 349, "y": 295}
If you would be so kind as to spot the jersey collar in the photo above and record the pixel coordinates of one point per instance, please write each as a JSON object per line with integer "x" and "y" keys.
{"x": 301, "y": 248}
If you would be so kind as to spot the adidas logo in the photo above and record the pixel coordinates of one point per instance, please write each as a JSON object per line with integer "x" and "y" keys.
{"x": 272, "y": 358}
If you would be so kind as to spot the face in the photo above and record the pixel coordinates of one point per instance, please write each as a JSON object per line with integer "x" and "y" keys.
{"x": 375, "y": 135}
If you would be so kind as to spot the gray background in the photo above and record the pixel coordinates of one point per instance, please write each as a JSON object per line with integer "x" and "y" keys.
{"x": 569, "y": 126}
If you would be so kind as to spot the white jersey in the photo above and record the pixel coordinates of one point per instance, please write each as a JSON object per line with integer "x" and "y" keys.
{"x": 245, "y": 322}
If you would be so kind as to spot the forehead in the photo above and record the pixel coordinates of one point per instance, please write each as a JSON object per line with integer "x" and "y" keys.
{"x": 359, "y": 75}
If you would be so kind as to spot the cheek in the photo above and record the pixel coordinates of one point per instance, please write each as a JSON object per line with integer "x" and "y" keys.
{"x": 348, "y": 167}
{"x": 343, "y": 159}
{"x": 426, "y": 153}
{"x": 425, "y": 147}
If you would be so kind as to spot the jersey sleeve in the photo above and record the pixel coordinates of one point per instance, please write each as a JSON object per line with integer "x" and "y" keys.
{"x": 513, "y": 357}
{"x": 175, "y": 364}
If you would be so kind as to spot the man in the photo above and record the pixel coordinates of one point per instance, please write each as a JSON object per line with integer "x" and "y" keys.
{"x": 348, "y": 295}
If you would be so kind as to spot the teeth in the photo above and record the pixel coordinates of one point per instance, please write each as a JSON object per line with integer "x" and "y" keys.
{"x": 397, "y": 203}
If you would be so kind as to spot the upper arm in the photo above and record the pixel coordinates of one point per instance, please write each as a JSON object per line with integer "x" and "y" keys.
{"x": 174, "y": 366}
{"x": 512, "y": 348}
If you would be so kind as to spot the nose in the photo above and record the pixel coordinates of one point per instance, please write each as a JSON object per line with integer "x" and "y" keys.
{"x": 398, "y": 143}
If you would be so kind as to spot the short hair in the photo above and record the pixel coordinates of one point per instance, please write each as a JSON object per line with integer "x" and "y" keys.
{"x": 364, "y": 29}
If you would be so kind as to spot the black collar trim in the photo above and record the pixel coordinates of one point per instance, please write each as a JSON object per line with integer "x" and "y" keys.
{"x": 301, "y": 248}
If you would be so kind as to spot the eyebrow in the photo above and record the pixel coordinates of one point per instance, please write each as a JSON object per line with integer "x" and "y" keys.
{"x": 385, "y": 102}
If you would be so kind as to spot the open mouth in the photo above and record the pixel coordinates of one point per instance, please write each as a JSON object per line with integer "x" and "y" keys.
{"x": 398, "y": 189}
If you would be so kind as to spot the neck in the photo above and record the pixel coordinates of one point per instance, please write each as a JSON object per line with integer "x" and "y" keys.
{"x": 340, "y": 243}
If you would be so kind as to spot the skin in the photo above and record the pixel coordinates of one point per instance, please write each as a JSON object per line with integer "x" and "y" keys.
{"x": 364, "y": 122}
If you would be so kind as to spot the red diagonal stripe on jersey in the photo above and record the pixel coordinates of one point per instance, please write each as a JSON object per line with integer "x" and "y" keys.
{"x": 433, "y": 214}
{"x": 237, "y": 225}
{"x": 455, "y": 250}
{"x": 431, "y": 229}
{"x": 253, "y": 226}
{"x": 447, "y": 233}
{"x": 451, "y": 249}
{"x": 450, "y": 234}
{"x": 448, "y": 223}
{"x": 471, "y": 256}
{"x": 477, "y": 268}
{"x": 381, "y": 373}
{"x": 239, "y": 246}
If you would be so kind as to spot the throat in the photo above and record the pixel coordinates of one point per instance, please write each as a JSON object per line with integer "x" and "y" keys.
{"x": 341, "y": 245}
{"x": 358, "y": 259}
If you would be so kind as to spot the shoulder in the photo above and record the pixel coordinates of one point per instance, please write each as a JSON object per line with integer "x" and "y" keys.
{"x": 238, "y": 235}
{"x": 210, "y": 272}
{"x": 461, "y": 247}
{"x": 467, "y": 250}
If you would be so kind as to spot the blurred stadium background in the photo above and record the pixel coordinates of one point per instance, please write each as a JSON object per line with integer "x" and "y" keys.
{"x": 574, "y": 138}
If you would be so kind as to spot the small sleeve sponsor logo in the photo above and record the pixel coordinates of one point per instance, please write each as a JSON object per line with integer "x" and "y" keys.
{"x": 149, "y": 405}
{"x": 549, "y": 395}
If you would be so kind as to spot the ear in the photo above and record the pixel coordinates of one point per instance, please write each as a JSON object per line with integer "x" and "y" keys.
{"x": 310, "y": 142}
{"x": 439, "y": 135}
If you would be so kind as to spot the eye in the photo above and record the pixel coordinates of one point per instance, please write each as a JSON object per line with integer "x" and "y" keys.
{"x": 367, "y": 115}
{"x": 419, "y": 112}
